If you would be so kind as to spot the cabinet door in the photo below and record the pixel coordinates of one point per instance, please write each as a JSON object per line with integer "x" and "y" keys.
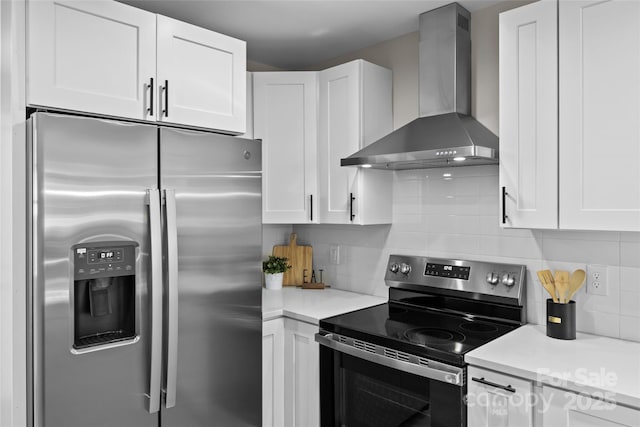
{"x": 285, "y": 115}
{"x": 202, "y": 77}
{"x": 273, "y": 373}
{"x": 529, "y": 115}
{"x": 567, "y": 409}
{"x": 302, "y": 374}
{"x": 355, "y": 110}
{"x": 91, "y": 56}
{"x": 599, "y": 44}
{"x": 338, "y": 137}
{"x": 497, "y": 400}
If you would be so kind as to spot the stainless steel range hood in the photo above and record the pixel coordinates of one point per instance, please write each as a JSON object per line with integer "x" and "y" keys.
{"x": 445, "y": 134}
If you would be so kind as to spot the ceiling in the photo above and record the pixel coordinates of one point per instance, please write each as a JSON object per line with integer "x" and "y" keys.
{"x": 298, "y": 34}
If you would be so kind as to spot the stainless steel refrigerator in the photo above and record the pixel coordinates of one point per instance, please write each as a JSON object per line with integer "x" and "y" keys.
{"x": 145, "y": 292}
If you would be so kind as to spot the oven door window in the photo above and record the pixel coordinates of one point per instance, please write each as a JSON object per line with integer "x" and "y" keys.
{"x": 371, "y": 395}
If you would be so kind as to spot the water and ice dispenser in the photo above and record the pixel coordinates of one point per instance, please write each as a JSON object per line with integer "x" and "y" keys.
{"x": 104, "y": 303}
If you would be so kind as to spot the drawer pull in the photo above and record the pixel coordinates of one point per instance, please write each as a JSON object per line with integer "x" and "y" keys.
{"x": 489, "y": 383}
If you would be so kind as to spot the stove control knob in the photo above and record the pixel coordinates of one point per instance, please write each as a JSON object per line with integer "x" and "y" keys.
{"x": 508, "y": 280}
{"x": 492, "y": 278}
{"x": 405, "y": 268}
{"x": 394, "y": 268}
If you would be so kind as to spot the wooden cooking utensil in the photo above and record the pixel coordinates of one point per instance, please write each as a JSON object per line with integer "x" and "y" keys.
{"x": 543, "y": 276}
{"x": 561, "y": 279}
{"x": 549, "y": 275}
{"x": 575, "y": 282}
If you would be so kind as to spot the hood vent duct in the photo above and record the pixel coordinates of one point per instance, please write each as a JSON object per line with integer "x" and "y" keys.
{"x": 445, "y": 134}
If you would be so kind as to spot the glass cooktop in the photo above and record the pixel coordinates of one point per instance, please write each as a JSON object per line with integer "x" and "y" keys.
{"x": 424, "y": 332}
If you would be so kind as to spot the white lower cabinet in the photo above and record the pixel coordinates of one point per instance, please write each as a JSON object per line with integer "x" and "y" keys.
{"x": 290, "y": 374}
{"x": 302, "y": 375}
{"x": 498, "y": 400}
{"x": 273, "y": 373}
{"x": 568, "y": 409}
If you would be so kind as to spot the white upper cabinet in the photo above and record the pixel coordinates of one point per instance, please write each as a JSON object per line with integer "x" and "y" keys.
{"x": 100, "y": 57}
{"x": 355, "y": 110}
{"x": 93, "y": 56}
{"x": 600, "y": 114}
{"x": 569, "y": 156}
{"x": 202, "y": 76}
{"x": 285, "y": 118}
{"x": 529, "y": 115}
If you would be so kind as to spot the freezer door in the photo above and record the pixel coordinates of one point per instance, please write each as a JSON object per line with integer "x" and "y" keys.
{"x": 90, "y": 181}
{"x": 213, "y": 183}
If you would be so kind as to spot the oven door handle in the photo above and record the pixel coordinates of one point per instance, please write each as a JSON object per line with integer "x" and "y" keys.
{"x": 382, "y": 356}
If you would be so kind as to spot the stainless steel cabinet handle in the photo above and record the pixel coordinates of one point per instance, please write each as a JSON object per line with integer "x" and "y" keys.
{"x": 504, "y": 205}
{"x": 492, "y": 384}
{"x": 172, "y": 294}
{"x": 165, "y": 88}
{"x": 155, "y": 226}
{"x": 150, "y": 87}
{"x": 351, "y": 214}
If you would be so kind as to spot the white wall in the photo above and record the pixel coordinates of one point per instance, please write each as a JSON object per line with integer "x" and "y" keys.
{"x": 484, "y": 62}
{"x": 274, "y": 234}
{"x": 459, "y": 217}
{"x": 401, "y": 56}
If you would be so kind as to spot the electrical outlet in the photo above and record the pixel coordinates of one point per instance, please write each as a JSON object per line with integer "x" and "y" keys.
{"x": 597, "y": 279}
{"x": 334, "y": 255}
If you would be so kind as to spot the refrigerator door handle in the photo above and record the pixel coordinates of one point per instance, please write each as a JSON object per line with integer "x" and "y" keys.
{"x": 155, "y": 226}
{"x": 172, "y": 293}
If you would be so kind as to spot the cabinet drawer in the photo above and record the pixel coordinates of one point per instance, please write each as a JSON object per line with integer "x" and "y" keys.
{"x": 498, "y": 400}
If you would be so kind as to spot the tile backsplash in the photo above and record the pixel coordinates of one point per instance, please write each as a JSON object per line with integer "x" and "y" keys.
{"x": 454, "y": 213}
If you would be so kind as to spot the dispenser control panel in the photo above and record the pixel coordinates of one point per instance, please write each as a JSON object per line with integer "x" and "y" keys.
{"x": 101, "y": 256}
{"x": 104, "y": 259}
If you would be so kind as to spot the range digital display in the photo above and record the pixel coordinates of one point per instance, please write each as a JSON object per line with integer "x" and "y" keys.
{"x": 449, "y": 271}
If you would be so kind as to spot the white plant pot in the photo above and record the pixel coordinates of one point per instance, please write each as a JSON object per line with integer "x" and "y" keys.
{"x": 273, "y": 281}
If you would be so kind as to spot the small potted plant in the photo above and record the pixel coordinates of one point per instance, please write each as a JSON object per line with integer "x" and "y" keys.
{"x": 274, "y": 268}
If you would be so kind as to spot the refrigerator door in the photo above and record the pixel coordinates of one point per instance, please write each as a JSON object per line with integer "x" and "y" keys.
{"x": 90, "y": 183}
{"x": 213, "y": 184}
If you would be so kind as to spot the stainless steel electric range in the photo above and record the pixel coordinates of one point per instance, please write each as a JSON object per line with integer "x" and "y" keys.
{"x": 402, "y": 363}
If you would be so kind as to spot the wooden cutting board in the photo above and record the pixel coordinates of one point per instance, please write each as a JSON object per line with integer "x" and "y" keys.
{"x": 300, "y": 258}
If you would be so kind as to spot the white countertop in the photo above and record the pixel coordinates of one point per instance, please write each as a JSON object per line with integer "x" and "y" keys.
{"x": 589, "y": 364}
{"x": 311, "y": 305}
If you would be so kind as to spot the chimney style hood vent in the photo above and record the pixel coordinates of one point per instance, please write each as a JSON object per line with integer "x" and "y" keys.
{"x": 445, "y": 134}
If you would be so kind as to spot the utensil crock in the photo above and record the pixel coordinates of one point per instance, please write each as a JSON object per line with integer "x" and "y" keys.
{"x": 561, "y": 320}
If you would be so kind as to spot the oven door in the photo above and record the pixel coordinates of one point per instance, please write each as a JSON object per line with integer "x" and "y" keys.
{"x": 364, "y": 385}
